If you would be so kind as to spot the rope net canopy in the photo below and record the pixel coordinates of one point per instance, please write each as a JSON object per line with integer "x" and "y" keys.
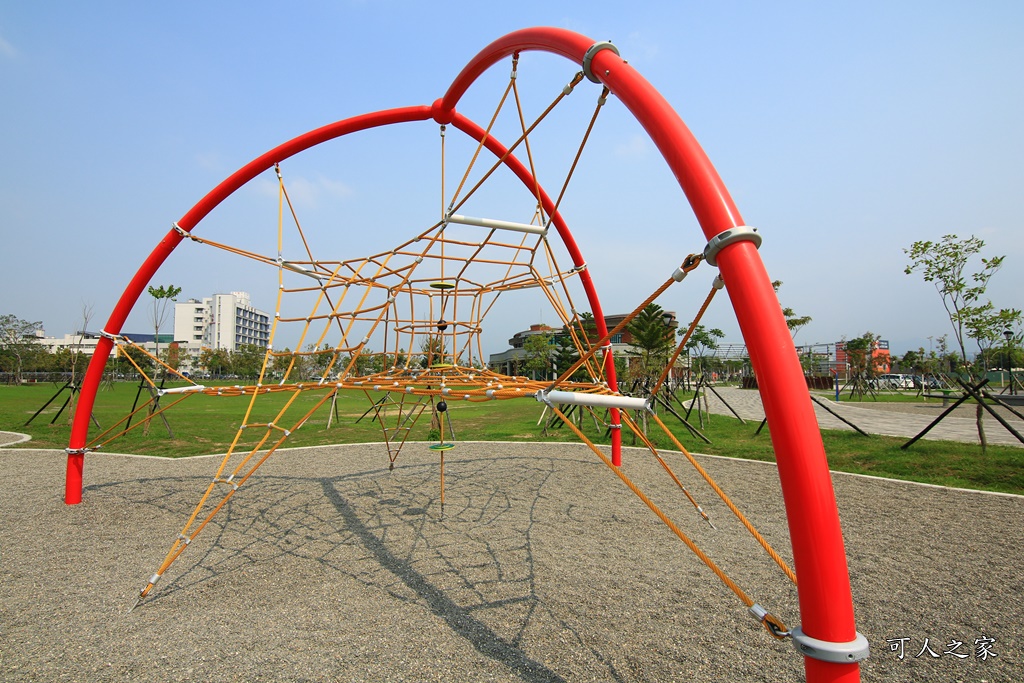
{"x": 408, "y": 320}
{"x": 404, "y": 325}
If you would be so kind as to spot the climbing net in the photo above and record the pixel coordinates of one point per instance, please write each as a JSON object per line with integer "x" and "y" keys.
{"x": 404, "y": 325}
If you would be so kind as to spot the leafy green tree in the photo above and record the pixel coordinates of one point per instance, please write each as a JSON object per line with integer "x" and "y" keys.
{"x": 247, "y": 360}
{"x": 699, "y": 344}
{"x": 565, "y": 355}
{"x": 985, "y": 326}
{"x": 538, "y": 354}
{"x": 865, "y": 365}
{"x": 945, "y": 264}
{"x": 18, "y": 347}
{"x": 124, "y": 366}
{"x": 653, "y": 340}
{"x": 215, "y": 361}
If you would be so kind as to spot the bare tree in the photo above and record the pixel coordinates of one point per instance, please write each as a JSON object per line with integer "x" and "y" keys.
{"x": 75, "y": 354}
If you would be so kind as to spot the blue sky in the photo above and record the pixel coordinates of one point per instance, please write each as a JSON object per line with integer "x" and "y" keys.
{"x": 844, "y": 131}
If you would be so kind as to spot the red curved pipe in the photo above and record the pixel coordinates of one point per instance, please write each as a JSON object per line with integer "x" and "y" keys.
{"x": 94, "y": 373}
{"x": 826, "y": 602}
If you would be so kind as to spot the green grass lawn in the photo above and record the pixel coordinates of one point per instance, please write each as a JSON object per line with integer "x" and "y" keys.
{"x": 203, "y": 425}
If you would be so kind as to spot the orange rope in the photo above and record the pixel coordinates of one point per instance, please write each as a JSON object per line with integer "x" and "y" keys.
{"x": 682, "y": 343}
{"x": 654, "y": 451}
{"x": 691, "y": 262}
{"x": 772, "y": 624}
{"x": 732, "y": 506}
{"x": 657, "y": 511}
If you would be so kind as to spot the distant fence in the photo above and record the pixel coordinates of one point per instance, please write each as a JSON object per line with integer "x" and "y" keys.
{"x": 813, "y": 382}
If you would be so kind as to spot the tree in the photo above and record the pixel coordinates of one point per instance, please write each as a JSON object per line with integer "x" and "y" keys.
{"x": 172, "y": 356}
{"x": 17, "y": 344}
{"x": 125, "y": 355}
{"x": 652, "y": 342}
{"x": 247, "y": 360}
{"x": 432, "y": 351}
{"x": 214, "y": 361}
{"x": 971, "y": 315}
{"x": 538, "y": 354}
{"x": 320, "y": 359}
{"x": 985, "y": 326}
{"x": 163, "y": 297}
{"x": 944, "y": 264}
{"x": 864, "y": 363}
{"x": 793, "y": 321}
{"x": 565, "y": 355}
{"x": 700, "y": 342}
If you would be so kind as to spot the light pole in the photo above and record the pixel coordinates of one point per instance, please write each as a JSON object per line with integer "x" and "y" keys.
{"x": 1008, "y": 333}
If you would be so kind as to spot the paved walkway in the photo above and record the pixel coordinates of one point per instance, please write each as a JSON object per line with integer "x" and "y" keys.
{"x": 890, "y": 419}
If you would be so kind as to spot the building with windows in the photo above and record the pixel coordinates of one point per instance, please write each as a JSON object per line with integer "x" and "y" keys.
{"x": 222, "y": 321}
{"x": 847, "y": 358}
{"x": 511, "y": 361}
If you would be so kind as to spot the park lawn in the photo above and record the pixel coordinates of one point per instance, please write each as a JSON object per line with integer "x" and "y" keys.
{"x": 203, "y": 425}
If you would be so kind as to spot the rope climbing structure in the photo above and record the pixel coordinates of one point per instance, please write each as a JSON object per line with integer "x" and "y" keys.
{"x": 403, "y": 326}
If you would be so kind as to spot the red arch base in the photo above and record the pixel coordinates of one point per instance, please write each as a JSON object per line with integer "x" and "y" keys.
{"x": 826, "y": 603}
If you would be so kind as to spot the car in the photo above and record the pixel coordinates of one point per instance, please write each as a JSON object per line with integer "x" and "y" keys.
{"x": 892, "y": 382}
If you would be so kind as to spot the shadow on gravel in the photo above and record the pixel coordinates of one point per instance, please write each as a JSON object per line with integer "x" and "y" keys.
{"x": 459, "y": 620}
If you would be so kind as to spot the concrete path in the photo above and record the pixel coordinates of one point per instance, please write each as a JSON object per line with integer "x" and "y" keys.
{"x": 890, "y": 419}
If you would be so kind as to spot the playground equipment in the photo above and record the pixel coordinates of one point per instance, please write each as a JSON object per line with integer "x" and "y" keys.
{"x": 423, "y": 303}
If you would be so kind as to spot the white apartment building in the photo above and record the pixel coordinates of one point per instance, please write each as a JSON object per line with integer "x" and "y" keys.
{"x": 79, "y": 342}
{"x": 222, "y": 321}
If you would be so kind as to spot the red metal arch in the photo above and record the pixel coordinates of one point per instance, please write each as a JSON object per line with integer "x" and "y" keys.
{"x": 826, "y": 603}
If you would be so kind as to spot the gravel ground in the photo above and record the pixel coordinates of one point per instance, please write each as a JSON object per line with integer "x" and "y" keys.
{"x": 542, "y": 567}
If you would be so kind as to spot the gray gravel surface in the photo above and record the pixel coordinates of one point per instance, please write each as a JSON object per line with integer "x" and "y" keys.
{"x": 542, "y": 567}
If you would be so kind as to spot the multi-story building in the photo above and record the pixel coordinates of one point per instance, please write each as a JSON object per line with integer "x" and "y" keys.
{"x": 222, "y": 321}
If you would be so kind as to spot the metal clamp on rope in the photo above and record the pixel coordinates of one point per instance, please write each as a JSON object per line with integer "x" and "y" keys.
{"x": 689, "y": 263}
{"x": 841, "y": 653}
{"x": 588, "y": 58}
{"x": 77, "y": 451}
{"x": 775, "y": 627}
{"x": 233, "y": 485}
{"x": 723, "y": 239}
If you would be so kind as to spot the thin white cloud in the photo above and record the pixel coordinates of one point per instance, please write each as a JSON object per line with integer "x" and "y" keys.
{"x": 6, "y": 49}
{"x": 634, "y": 147}
{"x": 306, "y": 191}
{"x": 638, "y": 48}
{"x": 210, "y": 161}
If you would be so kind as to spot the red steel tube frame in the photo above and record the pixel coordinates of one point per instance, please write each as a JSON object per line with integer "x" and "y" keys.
{"x": 826, "y": 602}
